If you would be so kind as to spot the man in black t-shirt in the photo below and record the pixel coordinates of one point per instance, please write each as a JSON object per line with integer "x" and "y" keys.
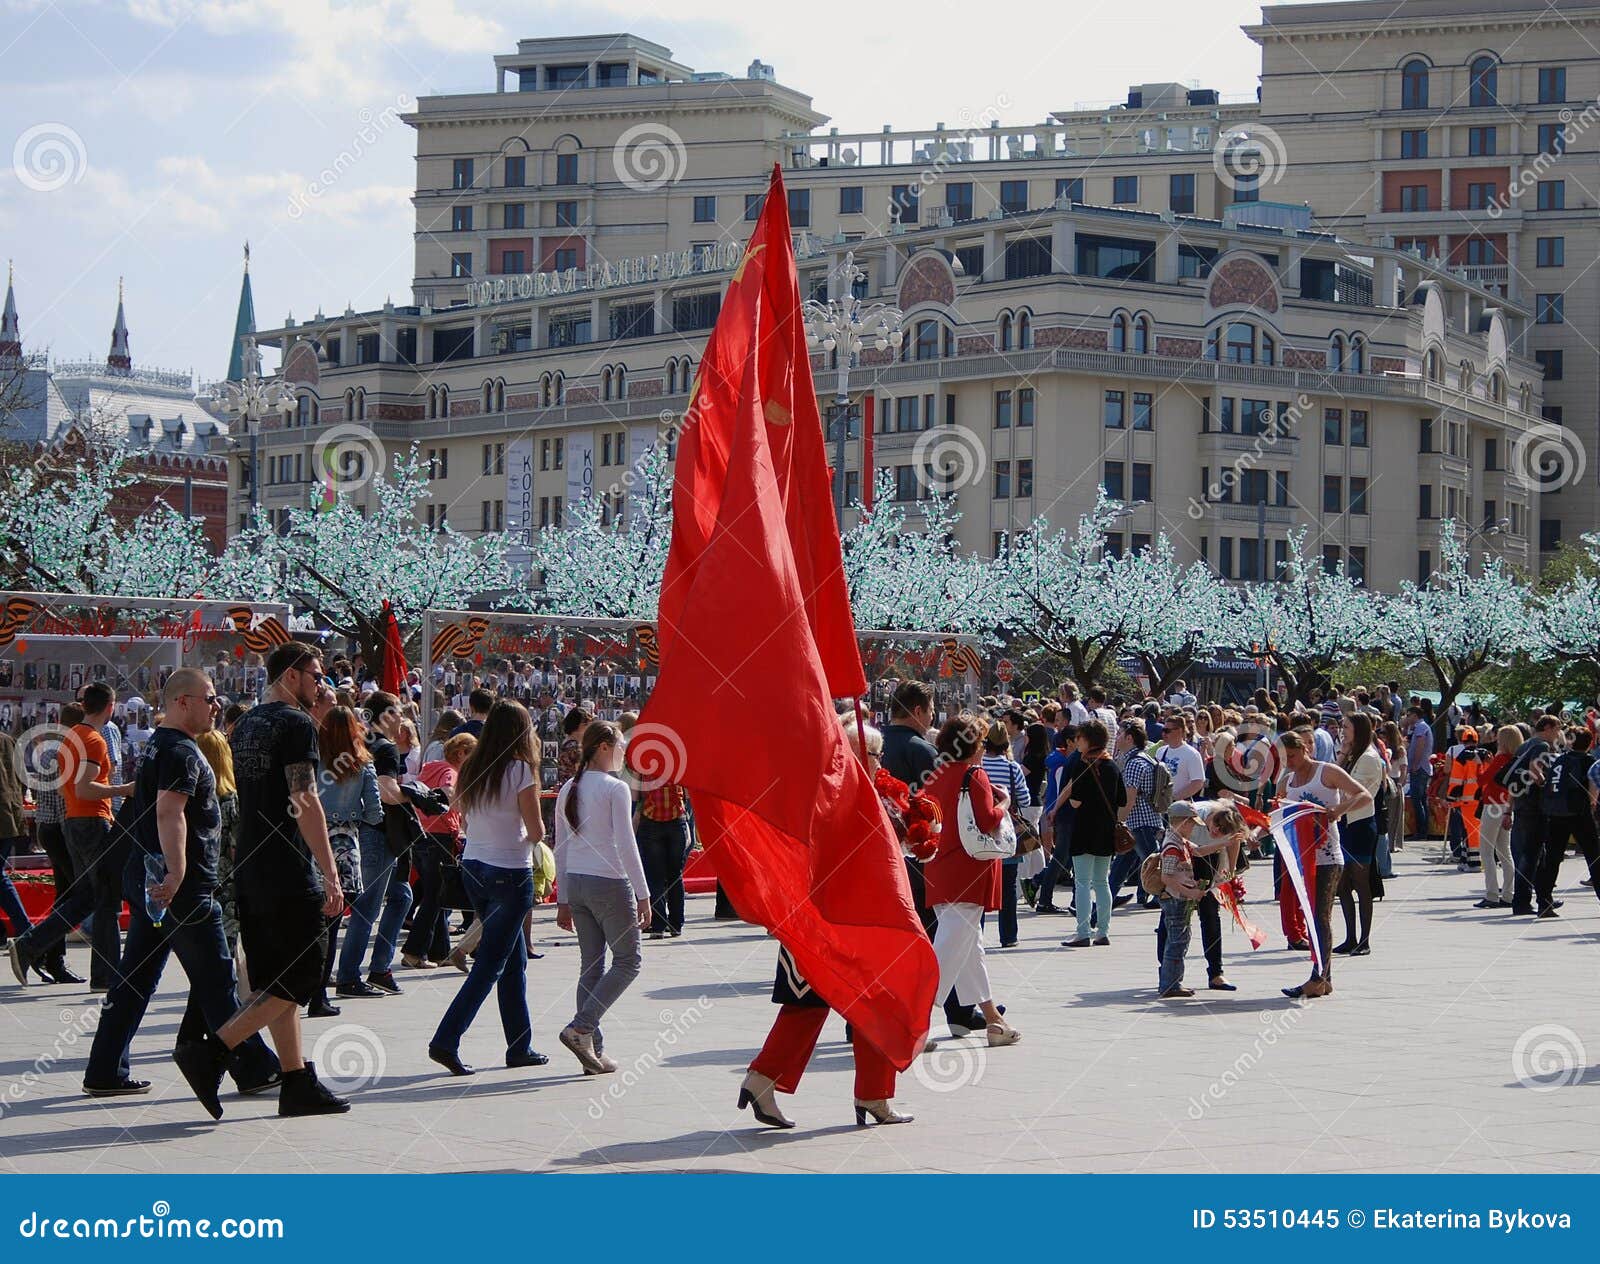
{"x": 178, "y": 823}
{"x": 287, "y": 883}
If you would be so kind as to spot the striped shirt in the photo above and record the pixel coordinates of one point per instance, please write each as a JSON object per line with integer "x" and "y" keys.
{"x": 1005, "y": 774}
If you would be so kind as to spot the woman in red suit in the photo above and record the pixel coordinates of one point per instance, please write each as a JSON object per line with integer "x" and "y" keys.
{"x": 960, "y": 890}
{"x": 793, "y": 1038}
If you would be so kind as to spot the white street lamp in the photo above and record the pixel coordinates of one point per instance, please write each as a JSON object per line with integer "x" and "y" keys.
{"x": 845, "y": 325}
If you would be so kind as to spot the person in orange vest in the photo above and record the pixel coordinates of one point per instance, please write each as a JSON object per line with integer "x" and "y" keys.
{"x": 1466, "y": 760}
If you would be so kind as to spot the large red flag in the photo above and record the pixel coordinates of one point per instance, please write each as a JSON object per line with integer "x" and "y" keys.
{"x": 756, "y": 639}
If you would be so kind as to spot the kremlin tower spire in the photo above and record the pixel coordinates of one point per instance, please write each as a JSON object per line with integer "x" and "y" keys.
{"x": 119, "y": 361}
{"x": 10, "y": 331}
{"x": 244, "y": 325}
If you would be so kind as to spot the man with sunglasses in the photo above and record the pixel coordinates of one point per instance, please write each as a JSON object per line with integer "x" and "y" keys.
{"x": 178, "y": 820}
{"x": 287, "y": 884}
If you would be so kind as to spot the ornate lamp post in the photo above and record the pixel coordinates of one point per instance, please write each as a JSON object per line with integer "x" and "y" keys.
{"x": 250, "y": 400}
{"x": 846, "y": 325}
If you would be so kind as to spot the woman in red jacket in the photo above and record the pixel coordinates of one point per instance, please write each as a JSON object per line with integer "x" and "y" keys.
{"x": 960, "y": 889}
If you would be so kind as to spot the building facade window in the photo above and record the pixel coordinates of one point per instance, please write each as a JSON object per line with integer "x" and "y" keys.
{"x": 1552, "y": 85}
{"x": 1124, "y": 190}
{"x": 1180, "y": 193}
{"x": 1414, "y": 85}
{"x": 1483, "y": 86}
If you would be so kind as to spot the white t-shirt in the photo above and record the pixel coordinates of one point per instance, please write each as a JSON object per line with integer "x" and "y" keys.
{"x": 1077, "y": 711}
{"x": 1185, "y": 765}
{"x": 602, "y": 845}
{"x": 496, "y": 834}
{"x": 1368, "y": 773}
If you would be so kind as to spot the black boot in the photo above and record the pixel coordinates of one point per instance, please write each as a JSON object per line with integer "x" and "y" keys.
{"x": 303, "y": 1094}
{"x": 54, "y": 969}
{"x": 203, "y": 1063}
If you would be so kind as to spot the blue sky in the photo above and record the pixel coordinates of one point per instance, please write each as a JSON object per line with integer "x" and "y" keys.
{"x": 149, "y": 138}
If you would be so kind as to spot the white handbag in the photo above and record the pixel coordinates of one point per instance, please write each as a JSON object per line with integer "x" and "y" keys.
{"x": 1000, "y": 845}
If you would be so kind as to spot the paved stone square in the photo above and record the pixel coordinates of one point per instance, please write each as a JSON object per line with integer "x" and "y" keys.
{"x": 1457, "y": 1046}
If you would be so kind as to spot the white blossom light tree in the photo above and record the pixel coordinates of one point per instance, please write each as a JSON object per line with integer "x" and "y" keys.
{"x": 66, "y": 526}
{"x": 1059, "y": 587}
{"x": 597, "y": 568}
{"x": 1565, "y": 623}
{"x": 1458, "y": 623}
{"x": 342, "y": 564}
{"x": 1174, "y": 613}
{"x": 909, "y": 578}
{"x": 1308, "y": 621}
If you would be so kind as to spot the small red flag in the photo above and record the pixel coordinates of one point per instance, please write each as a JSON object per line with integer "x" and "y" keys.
{"x": 756, "y": 640}
{"x": 392, "y": 679}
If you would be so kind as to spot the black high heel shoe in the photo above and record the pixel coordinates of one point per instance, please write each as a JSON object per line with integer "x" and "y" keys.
{"x": 756, "y": 1093}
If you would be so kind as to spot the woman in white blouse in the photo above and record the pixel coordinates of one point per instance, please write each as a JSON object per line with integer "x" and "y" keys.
{"x": 601, "y": 886}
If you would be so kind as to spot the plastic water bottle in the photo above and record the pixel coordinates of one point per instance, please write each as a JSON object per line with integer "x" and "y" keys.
{"x": 155, "y": 873}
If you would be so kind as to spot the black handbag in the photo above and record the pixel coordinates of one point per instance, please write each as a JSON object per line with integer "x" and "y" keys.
{"x": 402, "y": 828}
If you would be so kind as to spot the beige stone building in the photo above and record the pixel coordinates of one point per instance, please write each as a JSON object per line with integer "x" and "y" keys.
{"x": 1103, "y": 299}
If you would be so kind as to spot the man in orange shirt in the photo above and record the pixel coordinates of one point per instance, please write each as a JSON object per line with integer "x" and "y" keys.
{"x": 83, "y": 771}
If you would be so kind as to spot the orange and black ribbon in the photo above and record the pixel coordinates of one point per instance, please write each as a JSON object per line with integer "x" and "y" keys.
{"x": 645, "y": 634}
{"x": 265, "y": 637}
{"x": 18, "y": 613}
{"x": 459, "y": 640}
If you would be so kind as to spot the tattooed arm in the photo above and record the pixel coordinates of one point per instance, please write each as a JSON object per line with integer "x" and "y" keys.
{"x": 307, "y": 810}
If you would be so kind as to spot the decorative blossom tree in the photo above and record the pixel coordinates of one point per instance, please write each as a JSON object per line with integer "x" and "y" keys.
{"x": 1458, "y": 623}
{"x": 1308, "y": 621}
{"x": 65, "y": 526}
{"x": 1173, "y": 613}
{"x": 909, "y": 579}
{"x": 1060, "y": 588}
{"x": 1565, "y": 622}
{"x": 342, "y": 564}
{"x": 596, "y": 568}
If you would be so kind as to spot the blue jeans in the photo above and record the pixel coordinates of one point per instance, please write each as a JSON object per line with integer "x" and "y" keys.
{"x": 193, "y": 930}
{"x": 1008, "y": 901}
{"x": 502, "y": 898}
{"x": 384, "y": 886}
{"x": 1417, "y": 792}
{"x": 1145, "y": 840}
{"x": 97, "y": 859}
{"x": 10, "y": 902}
{"x": 1059, "y": 867}
{"x": 1172, "y": 940}
{"x": 1090, "y": 875}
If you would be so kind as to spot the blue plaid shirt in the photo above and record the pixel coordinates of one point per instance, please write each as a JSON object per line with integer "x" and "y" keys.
{"x": 1139, "y": 773}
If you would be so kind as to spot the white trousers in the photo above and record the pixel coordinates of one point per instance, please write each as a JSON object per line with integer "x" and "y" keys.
{"x": 1494, "y": 847}
{"x": 958, "y": 944}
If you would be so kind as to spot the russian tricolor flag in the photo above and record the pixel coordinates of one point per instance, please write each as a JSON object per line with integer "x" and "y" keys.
{"x": 1298, "y": 829}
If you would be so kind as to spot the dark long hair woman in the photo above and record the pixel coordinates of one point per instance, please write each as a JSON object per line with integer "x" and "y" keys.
{"x": 1358, "y": 834}
{"x": 498, "y": 794}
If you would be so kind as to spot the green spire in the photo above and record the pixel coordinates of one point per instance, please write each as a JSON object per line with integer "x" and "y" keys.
{"x": 244, "y": 323}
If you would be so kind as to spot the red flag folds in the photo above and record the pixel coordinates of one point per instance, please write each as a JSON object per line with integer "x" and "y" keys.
{"x": 392, "y": 679}
{"x": 756, "y": 639}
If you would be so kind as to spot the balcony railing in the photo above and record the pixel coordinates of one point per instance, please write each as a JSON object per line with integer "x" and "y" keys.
{"x": 1277, "y": 515}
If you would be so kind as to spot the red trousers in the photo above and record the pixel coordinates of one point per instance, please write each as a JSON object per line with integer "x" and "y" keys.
{"x": 1290, "y": 914}
{"x": 791, "y": 1042}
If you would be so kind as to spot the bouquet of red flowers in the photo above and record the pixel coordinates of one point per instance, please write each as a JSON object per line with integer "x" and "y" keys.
{"x": 914, "y": 815}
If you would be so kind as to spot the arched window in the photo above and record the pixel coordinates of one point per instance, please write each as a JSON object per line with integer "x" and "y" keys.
{"x": 1414, "y": 85}
{"x": 1336, "y": 353}
{"x": 488, "y": 397}
{"x": 1433, "y": 365}
{"x": 927, "y": 340}
{"x": 500, "y": 396}
{"x": 433, "y": 403}
{"x": 1141, "y": 335}
{"x": 672, "y": 377}
{"x": 546, "y": 395}
{"x": 349, "y": 405}
{"x": 1005, "y": 333}
{"x": 361, "y": 404}
{"x": 1497, "y": 388}
{"x": 561, "y": 389}
{"x": 1025, "y": 331}
{"x": 1269, "y": 349}
{"x": 1482, "y": 88}
{"x": 305, "y": 413}
{"x": 1241, "y": 347}
{"x": 1119, "y": 333}
{"x": 444, "y": 401}
{"x": 605, "y": 384}
{"x": 1357, "y": 362}
{"x": 622, "y": 382}
{"x": 685, "y": 374}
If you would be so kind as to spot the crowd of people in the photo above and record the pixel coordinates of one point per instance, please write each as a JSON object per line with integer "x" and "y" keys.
{"x": 315, "y": 846}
